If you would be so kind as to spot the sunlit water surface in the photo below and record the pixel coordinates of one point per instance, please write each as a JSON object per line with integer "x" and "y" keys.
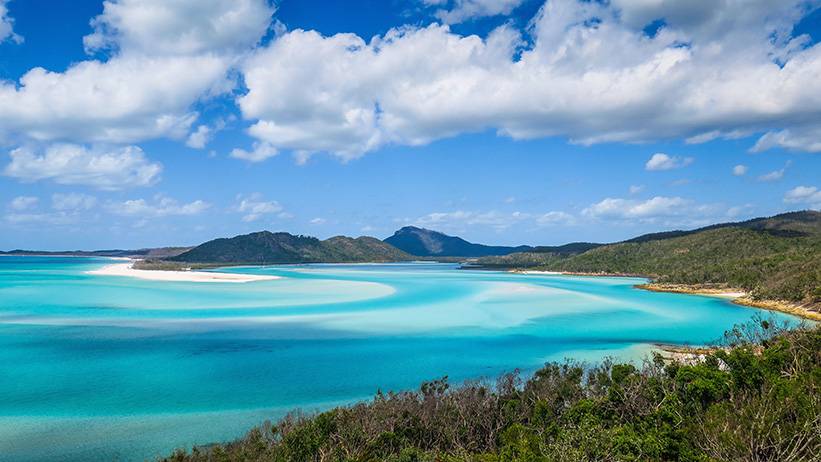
{"x": 116, "y": 368}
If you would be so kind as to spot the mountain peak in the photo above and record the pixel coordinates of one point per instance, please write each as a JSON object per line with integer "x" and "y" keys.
{"x": 429, "y": 243}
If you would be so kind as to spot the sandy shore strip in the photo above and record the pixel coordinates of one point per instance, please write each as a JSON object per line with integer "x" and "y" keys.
{"x": 739, "y": 297}
{"x": 126, "y": 269}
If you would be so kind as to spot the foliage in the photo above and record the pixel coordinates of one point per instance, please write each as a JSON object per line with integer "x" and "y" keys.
{"x": 776, "y": 258}
{"x": 746, "y": 402}
{"x": 268, "y": 248}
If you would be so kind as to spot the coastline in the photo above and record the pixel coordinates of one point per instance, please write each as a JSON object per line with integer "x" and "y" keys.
{"x": 128, "y": 270}
{"x": 737, "y": 296}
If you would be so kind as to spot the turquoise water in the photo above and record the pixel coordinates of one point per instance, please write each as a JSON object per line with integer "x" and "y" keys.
{"x": 116, "y": 368}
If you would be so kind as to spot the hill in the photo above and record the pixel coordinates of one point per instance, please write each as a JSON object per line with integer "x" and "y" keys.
{"x": 265, "y": 247}
{"x": 777, "y": 257}
{"x": 427, "y": 243}
{"x": 155, "y": 252}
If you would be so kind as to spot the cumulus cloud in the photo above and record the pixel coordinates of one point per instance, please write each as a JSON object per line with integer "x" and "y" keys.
{"x": 673, "y": 211}
{"x": 181, "y": 27}
{"x": 318, "y": 221}
{"x": 72, "y": 201}
{"x": 200, "y": 137}
{"x": 809, "y": 195}
{"x": 259, "y": 153}
{"x": 456, "y": 11}
{"x": 588, "y": 72}
{"x": 740, "y": 170}
{"x": 7, "y": 25}
{"x": 23, "y": 203}
{"x": 166, "y": 56}
{"x": 110, "y": 169}
{"x": 661, "y": 161}
{"x": 161, "y": 206}
{"x": 254, "y": 207}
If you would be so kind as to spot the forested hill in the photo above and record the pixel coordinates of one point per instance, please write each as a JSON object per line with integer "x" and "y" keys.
{"x": 776, "y": 257}
{"x": 427, "y": 243}
{"x": 265, "y": 247}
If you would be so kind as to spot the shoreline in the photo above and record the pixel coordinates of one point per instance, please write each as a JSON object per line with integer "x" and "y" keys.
{"x": 737, "y": 296}
{"x": 127, "y": 270}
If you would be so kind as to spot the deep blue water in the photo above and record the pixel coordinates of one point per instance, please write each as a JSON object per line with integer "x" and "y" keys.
{"x": 116, "y": 368}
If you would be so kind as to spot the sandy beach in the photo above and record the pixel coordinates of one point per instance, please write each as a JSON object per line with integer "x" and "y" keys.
{"x": 126, "y": 269}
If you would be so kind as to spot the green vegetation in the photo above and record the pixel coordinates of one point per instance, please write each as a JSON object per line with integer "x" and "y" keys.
{"x": 773, "y": 258}
{"x": 757, "y": 399}
{"x": 267, "y": 248}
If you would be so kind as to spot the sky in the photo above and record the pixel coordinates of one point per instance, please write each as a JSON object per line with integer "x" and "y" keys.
{"x": 141, "y": 123}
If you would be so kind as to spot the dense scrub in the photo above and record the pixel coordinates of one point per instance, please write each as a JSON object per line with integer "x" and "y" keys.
{"x": 756, "y": 400}
{"x": 776, "y": 258}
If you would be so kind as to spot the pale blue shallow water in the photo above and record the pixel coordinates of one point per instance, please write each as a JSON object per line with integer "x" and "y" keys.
{"x": 116, "y": 368}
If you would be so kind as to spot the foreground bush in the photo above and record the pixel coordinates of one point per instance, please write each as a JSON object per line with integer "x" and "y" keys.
{"x": 757, "y": 399}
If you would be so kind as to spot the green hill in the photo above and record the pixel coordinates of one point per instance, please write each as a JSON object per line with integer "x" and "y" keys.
{"x": 265, "y": 247}
{"x": 777, "y": 257}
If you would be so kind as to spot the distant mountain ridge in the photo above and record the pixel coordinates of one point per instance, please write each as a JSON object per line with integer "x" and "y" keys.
{"x": 265, "y": 247}
{"x": 153, "y": 252}
{"x": 428, "y": 243}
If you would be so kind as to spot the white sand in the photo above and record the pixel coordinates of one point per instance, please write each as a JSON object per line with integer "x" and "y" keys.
{"x": 540, "y": 272}
{"x": 729, "y": 294}
{"x": 126, "y": 269}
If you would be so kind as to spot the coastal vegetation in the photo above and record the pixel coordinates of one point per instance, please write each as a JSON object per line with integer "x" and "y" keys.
{"x": 777, "y": 258}
{"x": 756, "y": 398}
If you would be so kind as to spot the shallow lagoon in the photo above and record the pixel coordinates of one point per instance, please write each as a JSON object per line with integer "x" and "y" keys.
{"x": 108, "y": 367}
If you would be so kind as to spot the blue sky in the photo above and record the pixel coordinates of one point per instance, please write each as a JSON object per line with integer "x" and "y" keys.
{"x": 144, "y": 122}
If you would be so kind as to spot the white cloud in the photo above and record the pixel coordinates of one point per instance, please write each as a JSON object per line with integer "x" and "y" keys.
{"x": 555, "y": 218}
{"x": 166, "y": 56}
{"x": 260, "y": 152}
{"x": 626, "y": 208}
{"x": 457, "y": 11}
{"x": 589, "y": 73}
{"x": 318, "y": 221}
{"x": 809, "y": 195}
{"x": 161, "y": 206}
{"x": 72, "y": 201}
{"x": 116, "y": 168}
{"x": 200, "y": 137}
{"x": 254, "y": 207}
{"x": 58, "y": 218}
{"x": 740, "y": 170}
{"x": 7, "y": 25}
{"x": 798, "y": 139}
{"x": 775, "y": 175}
{"x": 460, "y": 220}
{"x": 20, "y": 203}
{"x": 636, "y": 188}
{"x": 669, "y": 211}
{"x": 660, "y": 161}
{"x": 180, "y": 27}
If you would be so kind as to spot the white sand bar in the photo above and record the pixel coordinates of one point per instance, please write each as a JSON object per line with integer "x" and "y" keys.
{"x": 126, "y": 269}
